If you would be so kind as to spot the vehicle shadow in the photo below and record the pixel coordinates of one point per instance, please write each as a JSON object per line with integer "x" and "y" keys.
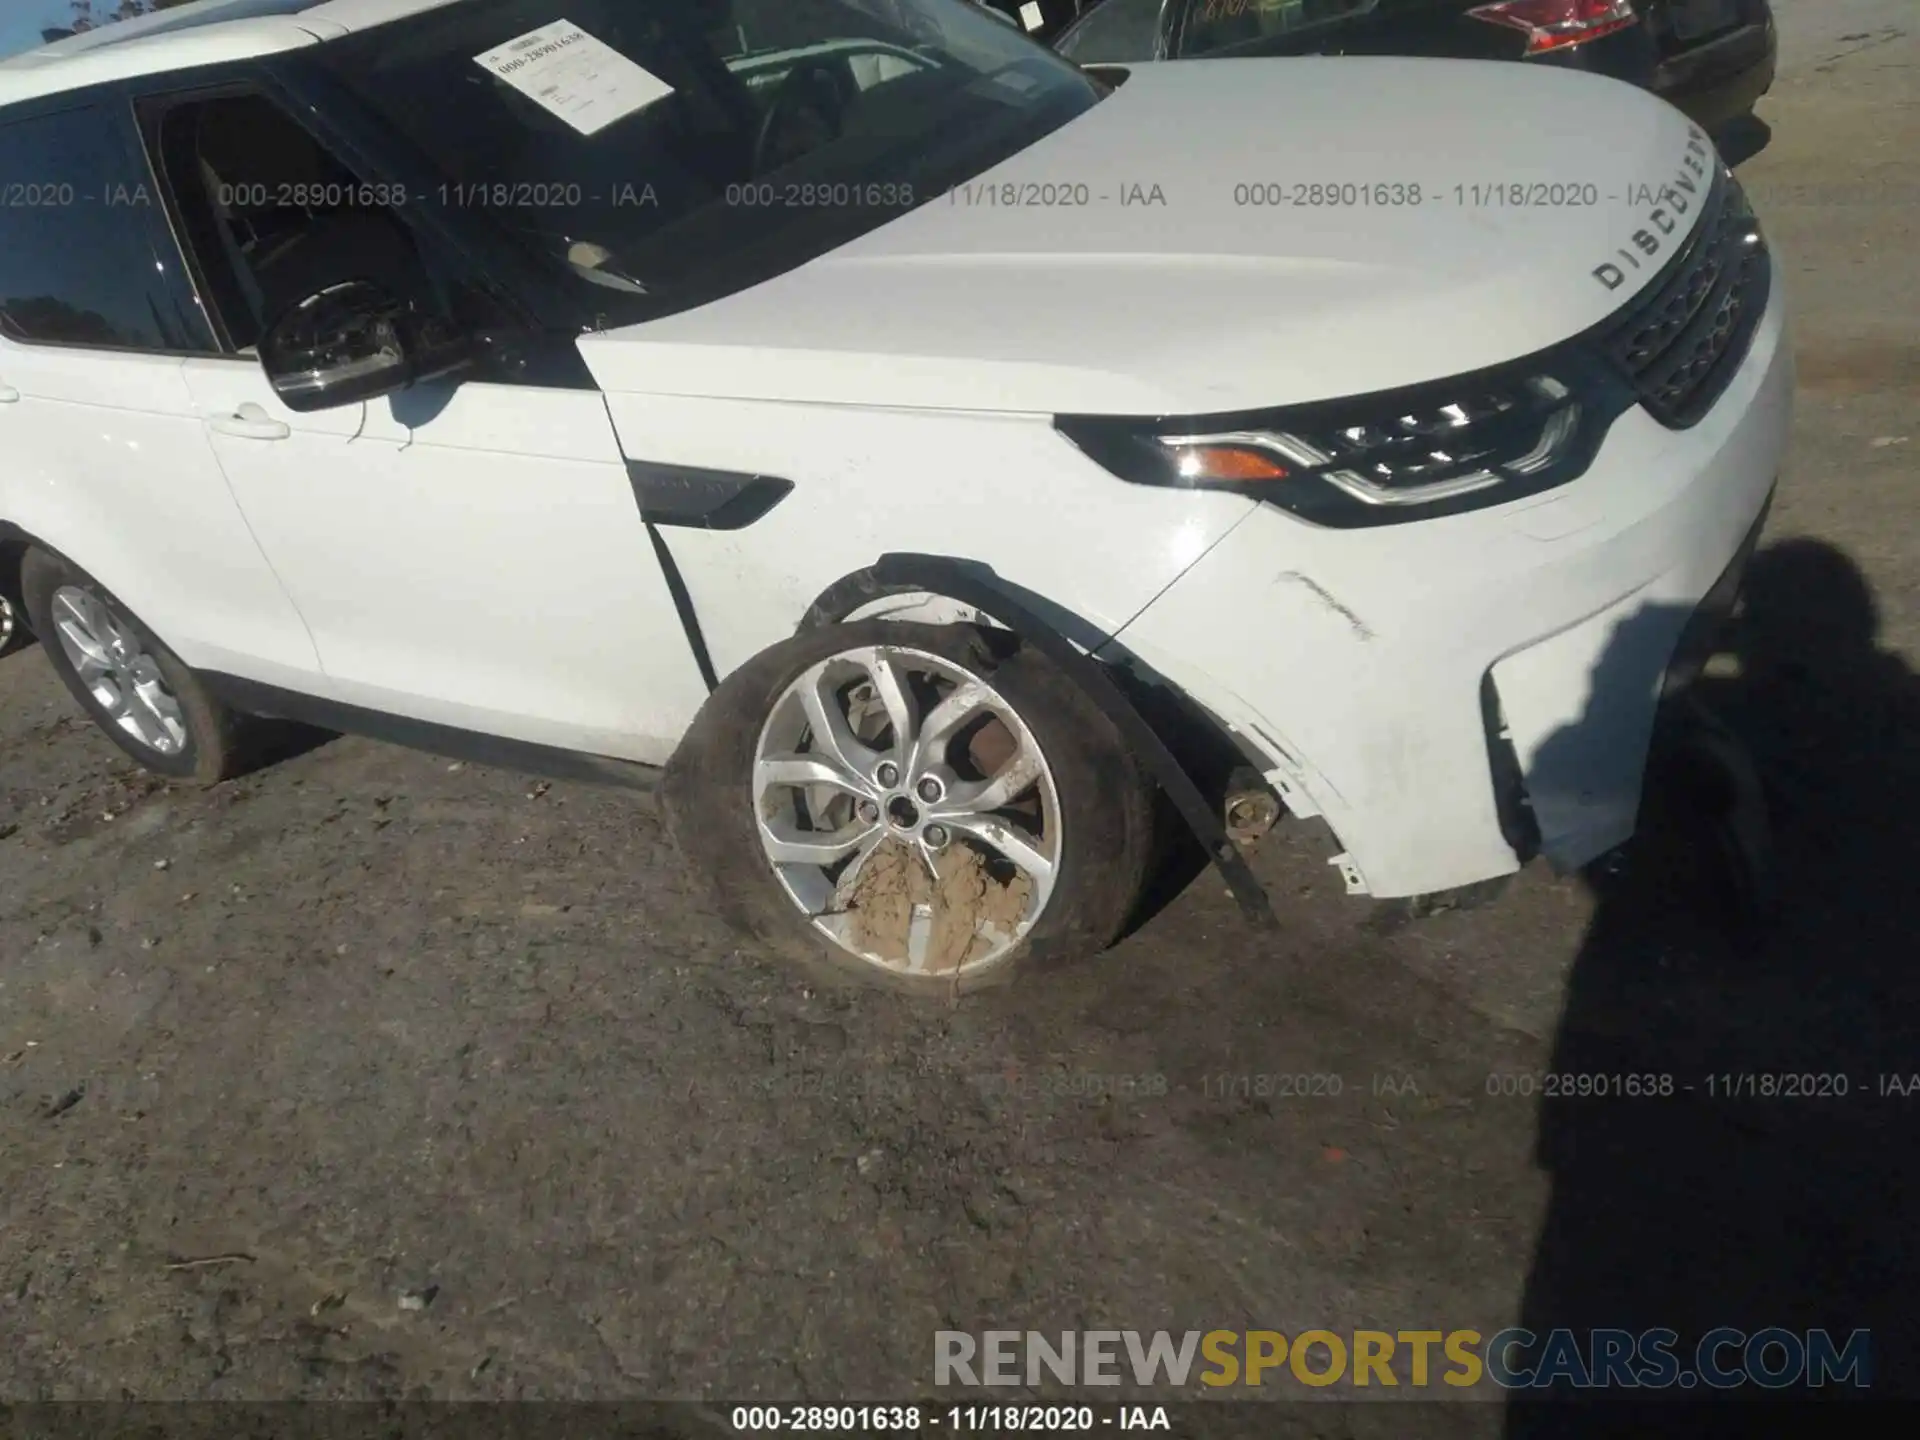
{"x": 1777, "y": 1185}
{"x": 1206, "y": 755}
{"x": 274, "y": 742}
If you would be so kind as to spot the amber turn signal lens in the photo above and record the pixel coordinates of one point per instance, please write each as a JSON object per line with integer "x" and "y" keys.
{"x": 1227, "y": 463}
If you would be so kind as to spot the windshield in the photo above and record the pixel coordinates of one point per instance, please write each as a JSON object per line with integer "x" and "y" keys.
{"x": 665, "y": 152}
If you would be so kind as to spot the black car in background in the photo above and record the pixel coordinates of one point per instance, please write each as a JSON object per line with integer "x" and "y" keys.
{"x": 1711, "y": 58}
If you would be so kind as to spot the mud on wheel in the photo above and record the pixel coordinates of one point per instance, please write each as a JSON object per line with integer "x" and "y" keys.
{"x": 920, "y": 807}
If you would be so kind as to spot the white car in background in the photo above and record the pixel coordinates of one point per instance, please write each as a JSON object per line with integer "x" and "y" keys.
{"x": 907, "y": 440}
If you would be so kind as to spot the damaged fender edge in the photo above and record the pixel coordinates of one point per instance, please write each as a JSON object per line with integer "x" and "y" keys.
{"x": 1296, "y": 786}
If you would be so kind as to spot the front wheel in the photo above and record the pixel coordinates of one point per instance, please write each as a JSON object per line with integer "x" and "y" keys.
{"x": 927, "y": 808}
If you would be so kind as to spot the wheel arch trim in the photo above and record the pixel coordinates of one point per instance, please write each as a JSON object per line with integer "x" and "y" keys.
{"x": 16, "y": 540}
{"x": 13, "y": 548}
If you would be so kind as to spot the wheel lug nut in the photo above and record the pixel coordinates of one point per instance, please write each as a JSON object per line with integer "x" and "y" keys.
{"x": 888, "y": 774}
{"x": 935, "y": 835}
{"x": 869, "y": 811}
{"x": 929, "y": 789}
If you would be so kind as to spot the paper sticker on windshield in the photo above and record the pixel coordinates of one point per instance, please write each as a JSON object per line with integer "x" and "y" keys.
{"x": 1030, "y": 15}
{"x": 584, "y": 81}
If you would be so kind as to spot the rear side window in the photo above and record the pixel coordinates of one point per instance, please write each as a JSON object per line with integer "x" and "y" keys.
{"x": 1118, "y": 32}
{"x": 77, "y": 214}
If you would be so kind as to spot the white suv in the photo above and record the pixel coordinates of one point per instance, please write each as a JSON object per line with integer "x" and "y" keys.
{"x": 906, "y": 439}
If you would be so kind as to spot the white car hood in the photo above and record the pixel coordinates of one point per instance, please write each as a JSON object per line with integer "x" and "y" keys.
{"x": 1206, "y": 302}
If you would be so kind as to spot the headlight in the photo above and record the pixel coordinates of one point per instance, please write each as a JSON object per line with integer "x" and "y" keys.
{"x": 1400, "y": 455}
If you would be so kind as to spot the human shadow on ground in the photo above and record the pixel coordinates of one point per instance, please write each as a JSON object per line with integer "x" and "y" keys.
{"x": 1778, "y": 1183}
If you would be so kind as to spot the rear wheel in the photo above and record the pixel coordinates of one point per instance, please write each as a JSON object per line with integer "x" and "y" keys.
{"x": 13, "y": 626}
{"x": 142, "y": 695}
{"x": 924, "y": 808}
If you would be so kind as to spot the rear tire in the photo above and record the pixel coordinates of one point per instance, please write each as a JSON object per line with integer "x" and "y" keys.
{"x": 14, "y": 634}
{"x": 143, "y": 697}
{"x": 1076, "y": 838}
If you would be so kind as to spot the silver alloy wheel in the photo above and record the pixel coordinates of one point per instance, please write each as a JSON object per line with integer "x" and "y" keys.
{"x": 907, "y": 810}
{"x": 9, "y": 623}
{"x": 123, "y": 679}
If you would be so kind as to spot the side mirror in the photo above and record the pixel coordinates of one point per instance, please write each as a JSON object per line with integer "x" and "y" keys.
{"x": 352, "y": 342}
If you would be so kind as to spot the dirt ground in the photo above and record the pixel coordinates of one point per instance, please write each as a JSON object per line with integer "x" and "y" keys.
{"x": 495, "y": 1111}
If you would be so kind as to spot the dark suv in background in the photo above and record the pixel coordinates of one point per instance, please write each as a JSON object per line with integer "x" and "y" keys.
{"x": 1711, "y": 58}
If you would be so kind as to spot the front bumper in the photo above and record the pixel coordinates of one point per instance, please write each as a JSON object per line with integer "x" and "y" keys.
{"x": 1578, "y": 789}
{"x": 1359, "y": 664}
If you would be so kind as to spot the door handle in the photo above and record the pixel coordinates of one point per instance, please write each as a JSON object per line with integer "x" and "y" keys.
{"x": 250, "y": 422}
{"x": 8, "y": 395}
